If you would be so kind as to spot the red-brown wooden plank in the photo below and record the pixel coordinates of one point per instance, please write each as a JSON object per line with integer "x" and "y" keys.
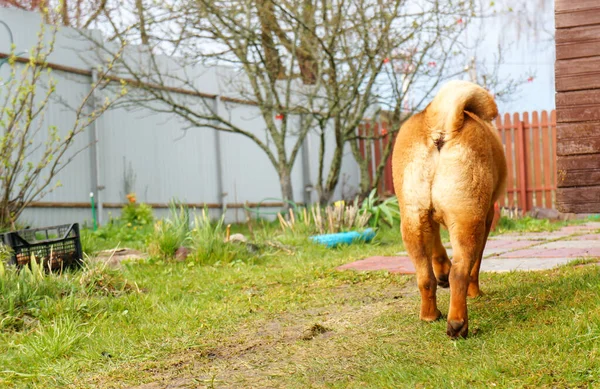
{"x": 554, "y": 145}
{"x": 578, "y": 170}
{"x": 574, "y": 5}
{"x": 537, "y": 158}
{"x": 577, "y": 74}
{"x": 576, "y": 200}
{"x": 521, "y": 162}
{"x": 529, "y": 167}
{"x": 377, "y": 147}
{"x": 580, "y": 113}
{"x": 510, "y": 160}
{"x": 577, "y": 13}
{"x": 387, "y": 170}
{"x": 502, "y": 200}
{"x": 361, "y": 142}
{"x": 578, "y": 138}
{"x": 547, "y": 159}
{"x": 577, "y": 66}
{"x": 577, "y": 98}
{"x": 577, "y": 42}
{"x": 369, "y": 150}
{"x": 577, "y": 106}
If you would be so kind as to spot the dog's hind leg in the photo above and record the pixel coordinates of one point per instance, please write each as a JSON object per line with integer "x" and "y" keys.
{"x": 440, "y": 261}
{"x": 467, "y": 239}
{"x": 417, "y": 235}
{"x": 474, "y": 290}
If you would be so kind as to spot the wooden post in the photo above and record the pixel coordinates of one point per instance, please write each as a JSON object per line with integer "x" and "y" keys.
{"x": 510, "y": 161}
{"x": 549, "y": 160}
{"x": 369, "y": 151}
{"x": 554, "y": 157}
{"x": 377, "y": 146}
{"x": 388, "y": 185}
{"x": 361, "y": 142}
{"x": 537, "y": 160}
{"x": 528, "y": 153}
{"x": 522, "y": 167}
{"x": 502, "y": 200}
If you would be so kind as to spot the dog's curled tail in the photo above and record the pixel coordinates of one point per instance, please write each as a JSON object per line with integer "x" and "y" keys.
{"x": 446, "y": 113}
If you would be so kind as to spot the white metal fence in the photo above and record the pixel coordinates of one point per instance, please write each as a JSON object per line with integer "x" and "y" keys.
{"x": 151, "y": 153}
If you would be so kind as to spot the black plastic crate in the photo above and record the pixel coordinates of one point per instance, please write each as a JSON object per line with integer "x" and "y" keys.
{"x": 56, "y": 248}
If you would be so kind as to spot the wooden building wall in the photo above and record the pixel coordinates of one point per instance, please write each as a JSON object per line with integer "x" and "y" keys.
{"x": 578, "y": 105}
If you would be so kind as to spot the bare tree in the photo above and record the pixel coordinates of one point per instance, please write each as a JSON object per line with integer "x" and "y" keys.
{"x": 532, "y": 20}
{"x": 33, "y": 152}
{"x": 71, "y": 13}
{"x": 305, "y": 65}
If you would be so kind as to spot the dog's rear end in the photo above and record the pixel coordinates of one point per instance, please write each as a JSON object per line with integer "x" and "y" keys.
{"x": 449, "y": 168}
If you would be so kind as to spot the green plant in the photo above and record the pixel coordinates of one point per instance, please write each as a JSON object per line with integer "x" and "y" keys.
{"x": 171, "y": 233}
{"x": 89, "y": 242}
{"x": 58, "y": 339}
{"x": 386, "y": 211}
{"x": 23, "y": 291}
{"x": 137, "y": 214}
{"x": 165, "y": 240}
{"x": 115, "y": 233}
{"x": 98, "y": 278}
{"x": 5, "y": 253}
{"x": 336, "y": 217}
{"x": 208, "y": 242}
{"x": 526, "y": 224}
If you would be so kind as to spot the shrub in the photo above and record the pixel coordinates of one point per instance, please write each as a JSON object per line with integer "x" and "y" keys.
{"x": 27, "y": 293}
{"x": 136, "y": 214}
{"x": 23, "y": 291}
{"x": 97, "y": 278}
{"x": 382, "y": 211}
{"x": 333, "y": 218}
{"x": 5, "y": 253}
{"x": 208, "y": 243}
{"x": 339, "y": 216}
{"x": 171, "y": 233}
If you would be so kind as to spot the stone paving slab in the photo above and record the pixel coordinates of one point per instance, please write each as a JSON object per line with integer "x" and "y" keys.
{"x": 493, "y": 248}
{"x": 516, "y": 264}
{"x": 572, "y": 243}
{"x": 589, "y": 237}
{"x": 402, "y": 265}
{"x": 591, "y": 226}
{"x": 532, "y": 236}
{"x": 509, "y": 252}
{"x": 552, "y": 253}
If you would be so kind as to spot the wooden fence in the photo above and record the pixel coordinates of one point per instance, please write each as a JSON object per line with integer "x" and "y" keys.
{"x": 530, "y": 145}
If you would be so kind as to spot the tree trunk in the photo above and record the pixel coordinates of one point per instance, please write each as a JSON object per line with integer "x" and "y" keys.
{"x": 285, "y": 180}
{"x": 326, "y": 191}
{"x": 64, "y": 13}
{"x": 364, "y": 166}
{"x": 365, "y": 180}
{"x": 5, "y": 220}
{"x": 8, "y": 215}
{"x": 143, "y": 34}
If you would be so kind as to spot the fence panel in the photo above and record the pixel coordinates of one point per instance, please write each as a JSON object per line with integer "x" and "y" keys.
{"x": 530, "y": 147}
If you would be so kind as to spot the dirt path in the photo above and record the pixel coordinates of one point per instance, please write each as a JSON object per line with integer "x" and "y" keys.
{"x": 263, "y": 354}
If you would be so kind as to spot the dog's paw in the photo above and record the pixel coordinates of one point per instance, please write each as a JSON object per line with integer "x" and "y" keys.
{"x": 443, "y": 282}
{"x": 457, "y": 328}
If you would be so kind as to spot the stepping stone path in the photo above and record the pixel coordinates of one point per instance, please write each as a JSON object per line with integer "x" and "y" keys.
{"x": 511, "y": 251}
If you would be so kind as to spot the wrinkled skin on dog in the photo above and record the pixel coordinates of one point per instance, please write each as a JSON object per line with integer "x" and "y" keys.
{"x": 449, "y": 168}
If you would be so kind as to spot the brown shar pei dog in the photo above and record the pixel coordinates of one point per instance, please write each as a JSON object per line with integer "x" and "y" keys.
{"x": 449, "y": 168}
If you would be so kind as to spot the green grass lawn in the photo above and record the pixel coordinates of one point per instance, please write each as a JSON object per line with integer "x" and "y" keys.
{"x": 282, "y": 318}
